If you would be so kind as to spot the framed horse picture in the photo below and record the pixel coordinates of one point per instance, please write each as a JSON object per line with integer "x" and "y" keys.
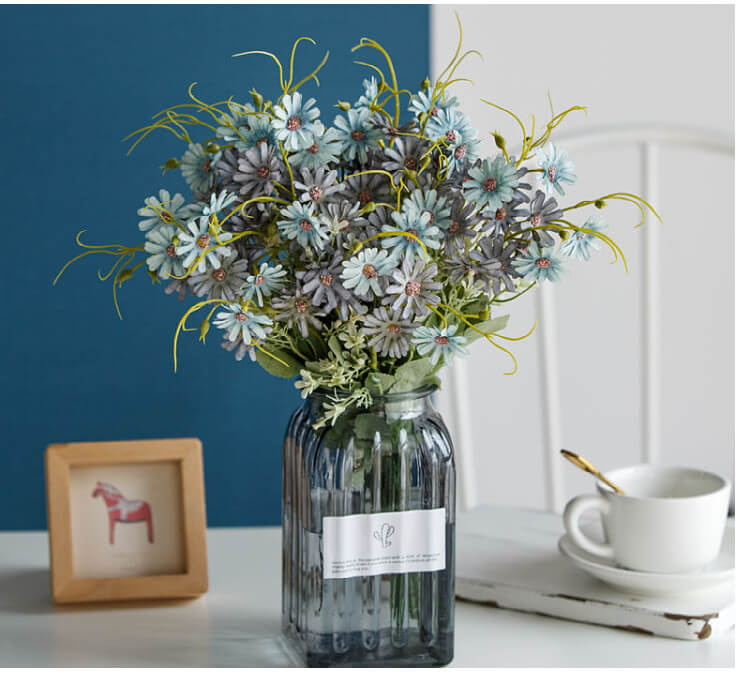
{"x": 127, "y": 520}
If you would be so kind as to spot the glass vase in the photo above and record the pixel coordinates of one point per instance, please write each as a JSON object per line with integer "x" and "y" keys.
{"x": 369, "y": 534}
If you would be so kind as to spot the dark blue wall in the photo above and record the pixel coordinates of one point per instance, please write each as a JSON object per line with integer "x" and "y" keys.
{"x": 74, "y": 81}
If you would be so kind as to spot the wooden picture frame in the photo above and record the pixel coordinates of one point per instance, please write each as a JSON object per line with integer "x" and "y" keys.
{"x": 72, "y": 467}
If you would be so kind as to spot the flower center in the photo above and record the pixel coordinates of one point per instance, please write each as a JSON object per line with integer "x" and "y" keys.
{"x": 219, "y": 274}
{"x": 300, "y": 305}
{"x": 202, "y": 240}
{"x": 364, "y": 196}
{"x": 166, "y": 217}
{"x": 305, "y": 225}
{"x": 455, "y": 226}
{"x": 441, "y": 340}
{"x": 413, "y": 233}
{"x": 450, "y": 135}
{"x": 536, "y": 220}
{"x": 314, "y": 148}
{"x": 413, "y": 288}
{"x": 326, "y": 280}
{"x": 490, "y": 184}
{"x": 369, "y": 271}
{"x": 410, "y": 163}
{"x": 393, "y": 328}
{"x": 259, "y": 279}
{"x": 262, "y": 140}
{"x": 501, "y": 214}
{"x": 293, "y": 123}
{"x": 434, "y": 112}
{"x": 241, "y": 317}
{"x": 315, "y": 193}
{"x": 170, "y": 250}
{"x": 207, "y": 165}
{"x": 460, "y": 152}
{"x": 263, "y": 172}
{"x": 542, "y": 262}
{"x": 552, "y": 173}
{"x": 358, "y": 135}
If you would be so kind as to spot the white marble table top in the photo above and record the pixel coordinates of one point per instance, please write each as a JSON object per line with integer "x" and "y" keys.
{"x": 236, "y": 624}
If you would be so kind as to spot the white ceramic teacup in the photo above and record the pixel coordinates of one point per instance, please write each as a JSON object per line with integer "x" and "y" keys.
{"x": 670, "y": 520}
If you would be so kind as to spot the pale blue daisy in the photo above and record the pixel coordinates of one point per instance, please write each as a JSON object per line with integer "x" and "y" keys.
{"x": 198, "y": 238}
{"x": 493, "y": 183}
{"x": 356, "y": 134}
{"x": 579, "y": 244}
{"x": 366, "y": 272}
{"x": 303, "y": 226}
{"x": 539, "y": 264}
{"x": 218, "y": 203}
{"x": 269, "y": 279}
{"x": 421, "y": 103}
{"x": 199, "y": 168}
{"x": 296, "y": 122}
{"x": 244, "y": 323}
{"x": 325, "y": 148}
{"x": 163, "y": 211}
{"x": 416, "y": 223}
{"x": 371, "y": 89}
{"x": 163, "y": 260}
{"x": 439, "y": 342}
{"x": 436, "y": 206}
{"x": 556, "y": 168}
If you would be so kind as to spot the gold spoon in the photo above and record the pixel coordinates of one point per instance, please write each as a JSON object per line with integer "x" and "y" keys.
{"x": 584, "y": 465}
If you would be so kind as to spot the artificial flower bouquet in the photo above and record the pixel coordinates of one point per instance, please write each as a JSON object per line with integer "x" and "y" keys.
{"x": 359, "y": 257}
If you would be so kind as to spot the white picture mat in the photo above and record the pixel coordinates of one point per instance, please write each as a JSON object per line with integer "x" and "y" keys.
{"x": 159, "y": 484}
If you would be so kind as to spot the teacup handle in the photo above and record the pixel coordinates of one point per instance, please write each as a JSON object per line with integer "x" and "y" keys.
{"x": 572, "y": 515}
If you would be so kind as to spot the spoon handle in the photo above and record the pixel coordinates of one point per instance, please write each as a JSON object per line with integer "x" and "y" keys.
{"x": 584, "y": 465}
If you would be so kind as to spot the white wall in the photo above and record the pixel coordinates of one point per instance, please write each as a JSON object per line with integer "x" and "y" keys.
{"x": 667, "y": 65}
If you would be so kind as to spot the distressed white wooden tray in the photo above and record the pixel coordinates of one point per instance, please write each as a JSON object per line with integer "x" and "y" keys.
{"x": 508, "y": 558}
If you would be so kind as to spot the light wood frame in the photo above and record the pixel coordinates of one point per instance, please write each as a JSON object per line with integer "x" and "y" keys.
{"x": 59, "y": 458}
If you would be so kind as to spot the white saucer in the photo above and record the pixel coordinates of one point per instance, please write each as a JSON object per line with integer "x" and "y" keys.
{"x": 721, "y": 570}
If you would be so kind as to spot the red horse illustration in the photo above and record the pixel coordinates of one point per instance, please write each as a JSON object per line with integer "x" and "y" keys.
{"x": 123, "y": 510}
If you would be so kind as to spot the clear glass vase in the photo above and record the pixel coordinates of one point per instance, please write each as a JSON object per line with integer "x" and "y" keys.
{"x": 369, "y": 534}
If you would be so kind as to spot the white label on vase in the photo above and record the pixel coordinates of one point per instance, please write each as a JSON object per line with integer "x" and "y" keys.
{"x": 390, "y": 542}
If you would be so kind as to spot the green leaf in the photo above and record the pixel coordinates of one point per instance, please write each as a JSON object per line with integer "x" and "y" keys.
{"x": 335, "y": 346}
{"x": 411, "y": 375}
{"x": 379, "y": 383}
{"x": 487, "y": 326}
{"x": 271, "y": 365}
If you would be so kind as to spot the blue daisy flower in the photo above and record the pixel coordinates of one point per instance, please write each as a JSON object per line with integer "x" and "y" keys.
{"x": 325, "y": 148}
{"x": 201, "y": 236}
{"x": 556, "y": 168}
{"x": 199, "y": 168}
{"x": 259, "y": 130}
{"x": 539, "y": 264}
{"x": 452, "y": 125}
{"x": 296, "y": 122}
{"x": 240, "y": 322}
{"x": 371, "y": 89}
{"x": 579, "y": 244}
{"x": 270, "y": 278}
{"x": 356, "y": 134}
{"x": 366, "y": 272}
{"x": 163, "y": 260}
{"x": 430, "y": 202}
{"x": 218, "y": 203}
{"x": 163, "y": 211}
{"x": 421, "y": 103}
{"x": 303, "y": 225}
{"x": 493, "y": 183}
{"x": 416, "y": 223}
{"x": 439, "y": 342}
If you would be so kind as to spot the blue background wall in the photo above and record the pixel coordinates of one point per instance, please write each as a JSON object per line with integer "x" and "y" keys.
{"x": 74, "y": 81}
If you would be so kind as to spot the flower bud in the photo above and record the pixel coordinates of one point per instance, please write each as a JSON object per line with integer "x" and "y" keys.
{"x": 425, "y": 84}
{"x": 213, "y": 148}
{"x": 172, "y": 164}
{"x": 599, "y": 204}
{"x": 343, "y": 105}
{"x": 499, "y": 140}
{"x": 257, "y": 99}
{"x": 205, "y": 327}
{"x": 369, "y": 207}
{"x": 564, "y": 234}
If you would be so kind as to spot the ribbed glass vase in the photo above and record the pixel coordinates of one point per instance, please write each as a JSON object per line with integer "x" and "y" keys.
{"x": 369, "y": 534}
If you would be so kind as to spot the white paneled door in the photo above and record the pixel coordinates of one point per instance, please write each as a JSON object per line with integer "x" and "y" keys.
{"x": 624, "y": 366}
